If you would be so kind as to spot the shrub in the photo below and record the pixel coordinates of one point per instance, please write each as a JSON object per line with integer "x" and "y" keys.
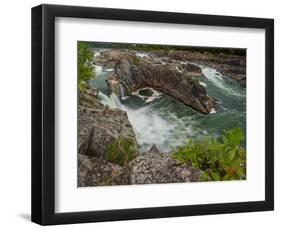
{"x": 86, "y": 71}
{"x": 121, "y": 151}
{"x": 220, "y": 159}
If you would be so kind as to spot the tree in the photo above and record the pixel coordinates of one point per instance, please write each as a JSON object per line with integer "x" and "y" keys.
{"x": 86, "y": 70}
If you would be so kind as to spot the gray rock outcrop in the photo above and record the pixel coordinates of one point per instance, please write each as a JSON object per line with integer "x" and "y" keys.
{"x": 99, "y": 126}
{"x": 163, "y": 78}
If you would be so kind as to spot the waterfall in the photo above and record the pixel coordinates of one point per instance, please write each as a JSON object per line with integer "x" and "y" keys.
{"x": 148, "y": 125}
{"x": 98, "y": 69}
{"x": 116, "y": 101}
{"x": 122, "y": 92}
{"x": 112, "y": 101}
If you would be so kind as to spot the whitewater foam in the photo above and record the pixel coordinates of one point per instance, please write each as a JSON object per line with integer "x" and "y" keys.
{"x": 141, "y": 55}
{"x": 203, "y": 84}
{"x": 147, "y": 99}
{"x": 98, "y": 69}
{"x": 218, "y": 81}
{"x": 109, "y": 70}
{"x": 213, "y": 110}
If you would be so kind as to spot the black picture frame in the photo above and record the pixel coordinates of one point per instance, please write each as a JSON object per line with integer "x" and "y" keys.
{"x": 43, "y": 114}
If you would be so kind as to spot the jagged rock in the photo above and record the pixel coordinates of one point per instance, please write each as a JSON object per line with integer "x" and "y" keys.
{"x": 191, "y": 70}
{"x": 153, "y": 150}
{"x": 94, "y": 171}
{"x": 164, "y": 79}
{"x": 113, "y": 84}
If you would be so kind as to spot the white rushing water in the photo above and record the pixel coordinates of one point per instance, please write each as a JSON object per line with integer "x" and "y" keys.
{"x": 141, "y": 55}
{"x": 98, "y": 69}
{"x": 219, "y": 81}
{"x": 149, "y": 126}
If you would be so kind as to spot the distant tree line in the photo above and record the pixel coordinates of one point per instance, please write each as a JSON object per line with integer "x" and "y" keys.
{"x": 148, "y": 47}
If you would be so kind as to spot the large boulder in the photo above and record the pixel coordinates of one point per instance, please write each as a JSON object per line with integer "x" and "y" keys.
{"x": 100, "y": 128}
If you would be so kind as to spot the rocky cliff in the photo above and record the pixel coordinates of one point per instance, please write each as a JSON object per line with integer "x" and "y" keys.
{"x": 100, "y": 125}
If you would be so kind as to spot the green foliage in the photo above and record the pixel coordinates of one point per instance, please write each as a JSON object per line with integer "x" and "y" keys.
{"x": 86, "y": 70}
{"x": 121, "y": 151}
{"x": 220, "y": 159}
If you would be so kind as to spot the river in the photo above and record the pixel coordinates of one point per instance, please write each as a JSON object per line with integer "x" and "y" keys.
{"x": 162, "y": 120}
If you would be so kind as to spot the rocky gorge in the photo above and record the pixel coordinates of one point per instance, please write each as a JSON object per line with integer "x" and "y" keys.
{"x": 112, "y": 146}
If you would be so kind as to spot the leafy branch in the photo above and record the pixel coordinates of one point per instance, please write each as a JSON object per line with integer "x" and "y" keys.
{"x": 86, "y": 70}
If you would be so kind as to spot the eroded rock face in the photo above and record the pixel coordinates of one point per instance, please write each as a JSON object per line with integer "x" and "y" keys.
{"x": 99, "y": 126}
{"x": 163, "y": 78}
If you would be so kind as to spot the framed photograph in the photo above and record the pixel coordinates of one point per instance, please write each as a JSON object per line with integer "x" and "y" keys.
{"x": 142, "y": 114}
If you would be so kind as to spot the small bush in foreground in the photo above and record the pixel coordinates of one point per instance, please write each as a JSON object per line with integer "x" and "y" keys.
{"x": 219, "y": 159}
{"x": 121, "y": 151}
